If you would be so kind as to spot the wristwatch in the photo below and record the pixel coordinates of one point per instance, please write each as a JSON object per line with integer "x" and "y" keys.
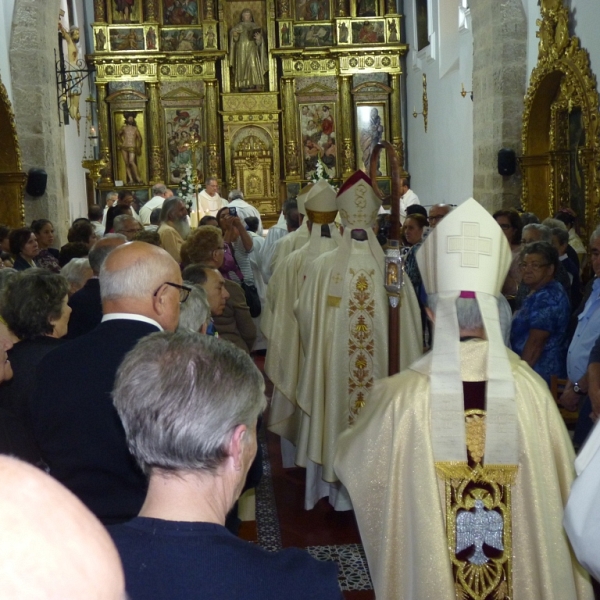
{"x": 578, "y": 390}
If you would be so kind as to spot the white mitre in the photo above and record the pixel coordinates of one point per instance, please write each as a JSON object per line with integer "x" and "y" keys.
{"x": 321, "y": 209}
{"x": 358, "y": 205}
{"x": 467, "y": 255}
{"x": 301, "y": 197}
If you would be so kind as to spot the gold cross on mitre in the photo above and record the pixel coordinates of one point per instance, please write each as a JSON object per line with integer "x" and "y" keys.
{"x": 470, "y": 245}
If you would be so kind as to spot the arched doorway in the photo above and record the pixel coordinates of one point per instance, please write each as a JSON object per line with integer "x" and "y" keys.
{"x": 561, "y": 146}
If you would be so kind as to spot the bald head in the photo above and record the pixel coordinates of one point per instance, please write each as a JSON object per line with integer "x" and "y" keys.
{"x": 51, "y": 545}
{"x": 136, "y": 278}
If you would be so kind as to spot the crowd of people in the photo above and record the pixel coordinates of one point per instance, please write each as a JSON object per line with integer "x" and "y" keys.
{"x": 129, "y": 378}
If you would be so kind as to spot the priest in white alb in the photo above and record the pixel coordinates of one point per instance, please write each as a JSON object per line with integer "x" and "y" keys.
{"x": 209, "y": 199}
{"x": 294, "y": 240}
{"x": 459, "y": 466}
{"x": 284, "y": 357}
{"x": 343, "y": 316}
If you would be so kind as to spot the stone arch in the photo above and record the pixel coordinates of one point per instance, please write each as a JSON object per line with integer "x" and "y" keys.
{"x": 561, "y": 139}
{"x": 33, "y": 76}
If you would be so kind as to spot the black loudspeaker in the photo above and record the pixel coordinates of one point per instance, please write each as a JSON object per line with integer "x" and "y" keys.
{"x": 507, "y": 162}
{"x": 36, "y": 182}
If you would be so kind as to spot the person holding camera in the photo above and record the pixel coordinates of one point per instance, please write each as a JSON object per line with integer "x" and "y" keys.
{"x": 238, "y": 245}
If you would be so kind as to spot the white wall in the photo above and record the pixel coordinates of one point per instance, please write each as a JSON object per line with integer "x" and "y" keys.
{"x": 440, "y": 161}
{"x": 6, "y": 15}
{"x": 74, "y": 143}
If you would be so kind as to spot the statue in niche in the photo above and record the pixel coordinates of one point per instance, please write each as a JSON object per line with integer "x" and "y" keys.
{"x": 366, "y": 8}
{"x": 210, "y": 38}
{"x": 248, "y": 54}
{"x": 129, "y": 142}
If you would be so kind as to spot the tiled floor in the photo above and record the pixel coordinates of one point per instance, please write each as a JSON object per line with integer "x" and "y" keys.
{"x": 282, "y": 522}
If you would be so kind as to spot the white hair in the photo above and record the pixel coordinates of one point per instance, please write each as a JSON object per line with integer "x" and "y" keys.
{"x": 195, "y": 311}
{"x": 467, "y": 311}
{"x": 76, "y": 271}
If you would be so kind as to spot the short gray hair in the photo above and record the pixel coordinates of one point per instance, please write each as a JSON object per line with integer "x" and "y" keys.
{"x": 562, "y": 235}
{"x": 138, "y": 280}
{"x": 554, "y": 223}
{"x": 235, "y": 195}
{"x": 120, "y": 222}
{"x": 76, "y": 271}
{"x": 195, "y": 311}
{"x": 158, "y": 189}
{"x": 100, "y": 250}
{"x": 544, "y": 249}
{"x": 467, "y": 311}
{"x": 595, "y": 235}
{"x": 168, "y": 205}
{"x": 180, "y": 397}
{"x": 209, "y": 179}
{"x": 545, "y": 232}
{"x": 112, "y": 195}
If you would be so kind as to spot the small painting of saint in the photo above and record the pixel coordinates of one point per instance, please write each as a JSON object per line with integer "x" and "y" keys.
{"x": 366, "y": 8}
{"x": 180, "y": 12}
{"x": 317, "y": 127}
{"x": 151, "y": 39}
{"x": 126, "y": 11}
{"x": 370, "y": 32}
{"x": 392, "y": 32}
{"x": 343, "y": 34}
{"x": 312, "y": 10}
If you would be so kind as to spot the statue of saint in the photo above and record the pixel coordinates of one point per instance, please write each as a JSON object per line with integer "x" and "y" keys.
{"x": 248, "y": 54}
{"x": 129, "y": 142}
{"x": 74, "y": 78}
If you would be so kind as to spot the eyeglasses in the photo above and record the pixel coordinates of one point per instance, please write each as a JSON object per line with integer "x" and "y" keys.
{"x": 184, "y": 290}
{"x": 533, "y": 265}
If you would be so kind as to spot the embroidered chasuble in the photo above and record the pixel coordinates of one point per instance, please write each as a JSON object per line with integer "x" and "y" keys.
{"x": 485, "y": 533}
{"x": 292, "y": 241}
{"x": 283, "y": 362}
{"x": 210, "y": 205}
{"x": 345, "y": 349}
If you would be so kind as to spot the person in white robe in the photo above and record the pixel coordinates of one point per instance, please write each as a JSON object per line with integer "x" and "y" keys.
{"x": 274, "y": 234}
{"x": 284, "y": 357}
{"x": 343, "y": 312}
{"x": 209, "y": 199}
{"x": 459, "y": 467}
{"x": 296, "y": 239}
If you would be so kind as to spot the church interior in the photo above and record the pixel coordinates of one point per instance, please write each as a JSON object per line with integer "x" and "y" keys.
{"x": 479, "y": 98}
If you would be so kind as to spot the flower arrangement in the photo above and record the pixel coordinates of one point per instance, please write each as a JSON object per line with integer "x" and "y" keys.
{"x": 321, "y": 173}
{"x": 187, "y": 190}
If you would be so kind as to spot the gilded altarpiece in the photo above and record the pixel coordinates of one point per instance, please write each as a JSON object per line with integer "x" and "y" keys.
{"x": 270, "y": 89}
{"x": 561, "y": 139}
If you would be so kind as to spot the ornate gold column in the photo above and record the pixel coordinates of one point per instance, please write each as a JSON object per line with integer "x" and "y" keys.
{"x": 290, "y": 133}
{"x": 209, "y": 10}
{"x": 284, "y": 9}
{"x": 341, "y": 8}
{"x": 396, "y": 120}
{"x": 99, "y": 11}
{"x": 346, "y": 125}
{"x": 104, "y": 133}
{"x": 390, "y": 7}
{"x": 155, "y": 135}
{"x": 212, "y": 128}
{"x": 151, "y": 14}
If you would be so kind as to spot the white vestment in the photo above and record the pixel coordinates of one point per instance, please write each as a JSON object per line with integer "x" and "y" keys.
{"x": 274, "y": 234}
{"x": 286, "y": 245}
{"x": 386, "y": 462}
{"x": 345, "y": 349}
{"x": 146, "y": 210}
{"x": 210, "y": 205}
{"x": 405, "y": 201}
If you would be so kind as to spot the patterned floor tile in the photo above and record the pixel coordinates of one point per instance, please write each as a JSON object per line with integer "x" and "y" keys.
{"x": 352, "y": 564}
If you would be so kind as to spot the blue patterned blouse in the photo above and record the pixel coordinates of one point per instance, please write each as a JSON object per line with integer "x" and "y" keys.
{"x": 547, "y": 309}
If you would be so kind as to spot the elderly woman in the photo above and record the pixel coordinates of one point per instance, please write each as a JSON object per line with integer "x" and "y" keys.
{"x": 538, "y": 329}
{"x": 238, "y": 245}
{"x": 77, "y": 272}
{"x": 48, "y": 256}
{"x": 512, "y": 227}
{"x": 189, "y": 405}
{"x": 24, "y": 247}
{"x": 205, "y": 248}
{"x": 194, "y": 313}
{"x": 34, "y": 306}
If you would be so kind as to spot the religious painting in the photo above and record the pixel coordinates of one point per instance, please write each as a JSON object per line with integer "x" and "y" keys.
{"x": 371, "y": 128}
{"x": 343, "y": 32}
{"x": 151, "y": 38}
{"x": 210, "y": 38}
{"x": 393, "y": 31}
{"x": 129, "y": 149}
{"x": 313, "y": 10}
{"x": 179, "y": 12}
{"x": 318, "y": 136}
{"x": 285, "y": 34}
{"x": 100, "y": 39}
{"x": 183, "y": 125}
{"x": 126, "y": 39}
{"x": 181, "y": 40}
{"x": 306, "y": 36}
{"x": 126, "y": 11}
{"x": 422, "y": 20}
{"x": 367, "y": 8}
{"x": 368, "y": 32}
